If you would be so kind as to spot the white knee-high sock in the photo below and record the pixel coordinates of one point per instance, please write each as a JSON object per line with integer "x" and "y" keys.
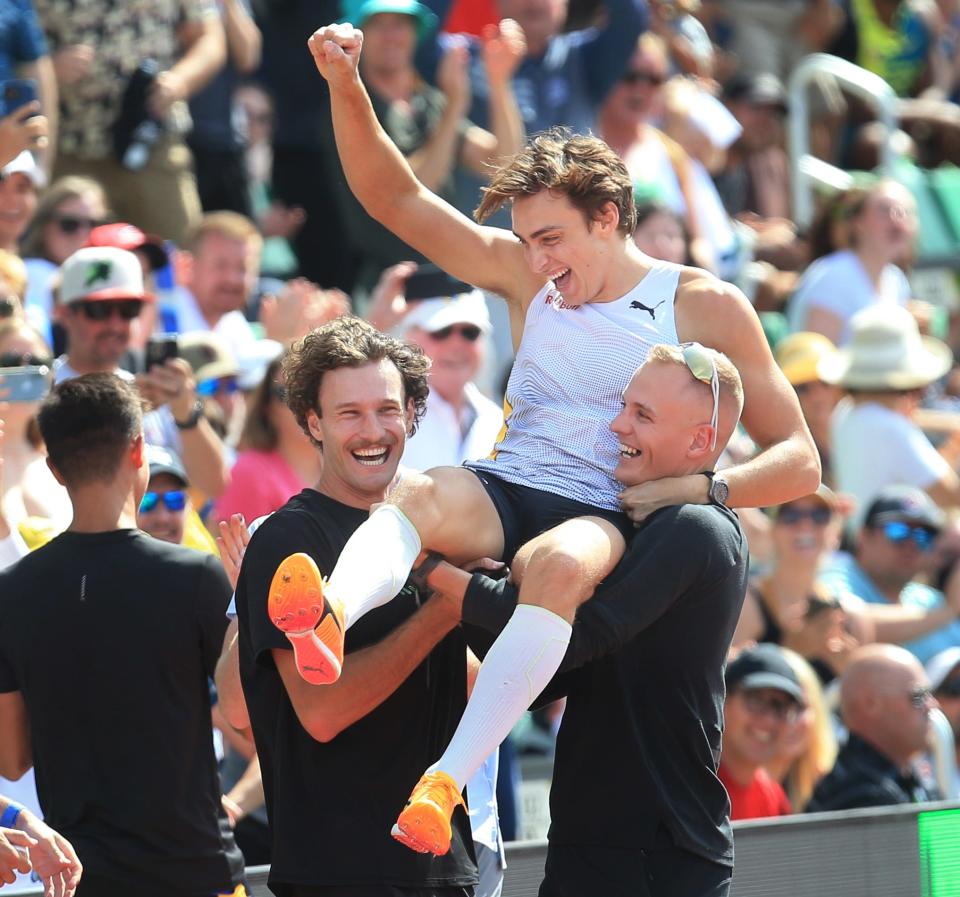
{"x": 517, "y": 668}
{"x": 375, "y": 562}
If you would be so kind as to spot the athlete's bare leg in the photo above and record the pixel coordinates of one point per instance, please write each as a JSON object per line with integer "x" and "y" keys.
{"x": 445, "y": 510}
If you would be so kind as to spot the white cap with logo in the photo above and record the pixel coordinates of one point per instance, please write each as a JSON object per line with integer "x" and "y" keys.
{"x": 101, "y": 272}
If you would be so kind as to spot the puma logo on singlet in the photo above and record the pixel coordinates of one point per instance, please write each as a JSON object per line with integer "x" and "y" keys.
{"x": 640, "y": 305}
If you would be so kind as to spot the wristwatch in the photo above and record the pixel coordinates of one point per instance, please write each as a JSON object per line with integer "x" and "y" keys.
{"x": 719, "y": 491}
{"x": 193, "y": 419}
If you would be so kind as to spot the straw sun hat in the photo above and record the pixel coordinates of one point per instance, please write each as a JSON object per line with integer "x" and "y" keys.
{"x": 886, "y": 352}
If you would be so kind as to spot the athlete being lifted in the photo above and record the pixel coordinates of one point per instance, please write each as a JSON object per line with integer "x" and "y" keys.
{"x": 586, "y": 306}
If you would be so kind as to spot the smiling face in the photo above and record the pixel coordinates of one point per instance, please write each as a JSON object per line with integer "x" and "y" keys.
{"x": 804, "y": 530}
{"x": 160, "y": 522}
{"x": 95, "y": 346}
{"x": 560, "y": 245}
{"x": 455, "y": 359}
{"x": 362, "y": 428}
{"x": 755, "y": 724}
{"x": 664, "y": 427}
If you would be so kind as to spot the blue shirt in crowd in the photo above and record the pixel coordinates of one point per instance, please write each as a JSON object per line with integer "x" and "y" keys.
{"x": 844, "y": 574}
{"x": 21, "y": 37}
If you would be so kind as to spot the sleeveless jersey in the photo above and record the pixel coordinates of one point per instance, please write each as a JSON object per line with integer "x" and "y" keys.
{"x": 567, "y": 383}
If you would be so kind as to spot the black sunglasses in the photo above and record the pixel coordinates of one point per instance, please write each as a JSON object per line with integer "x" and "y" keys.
{"x": 792, "y": 516}
{"x": 639, "y": 77}
{"x": 72, "y": 224}
{"x": 9, "y": 306}
{"x": 23, "y": 359}
{"x": 950, "y": 688}
{"x": 128, "y": 309}
{"x": 470, "y": 332}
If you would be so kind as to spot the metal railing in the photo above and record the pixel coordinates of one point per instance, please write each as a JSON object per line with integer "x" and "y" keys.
{"x": 808, "y": 170}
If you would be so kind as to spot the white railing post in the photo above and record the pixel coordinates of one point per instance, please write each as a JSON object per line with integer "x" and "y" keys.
{"x": 808, "y": 170}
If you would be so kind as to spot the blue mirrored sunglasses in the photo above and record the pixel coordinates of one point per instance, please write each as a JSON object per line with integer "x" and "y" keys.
{"x": 897, "y": 531}
{"x": 174, "y": 500}
{"x": 218, "y": 386}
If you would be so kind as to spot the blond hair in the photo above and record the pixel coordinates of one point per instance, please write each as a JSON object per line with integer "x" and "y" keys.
{"x": 231, "y": 225}
{"x": 582, "y": 168}
{"x": 817, "y": 760}
{"x": 13, "y": 273}
{"x": 728, "y": 376}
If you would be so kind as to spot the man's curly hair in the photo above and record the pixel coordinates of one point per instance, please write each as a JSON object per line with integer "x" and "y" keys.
{"x": 350, "y": 342}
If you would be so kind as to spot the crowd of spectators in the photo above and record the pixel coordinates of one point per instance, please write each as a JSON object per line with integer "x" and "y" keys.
{"x": 172, "y": 211}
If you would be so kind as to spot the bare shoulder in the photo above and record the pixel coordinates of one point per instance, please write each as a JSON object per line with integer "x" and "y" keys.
{"x": 713, "y": 312}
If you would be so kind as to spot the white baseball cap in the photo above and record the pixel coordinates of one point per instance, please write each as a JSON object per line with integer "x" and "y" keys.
{"x": 102, "y": 272}
{"x": 432, "y": 315}
{"x": 26, "y": 164}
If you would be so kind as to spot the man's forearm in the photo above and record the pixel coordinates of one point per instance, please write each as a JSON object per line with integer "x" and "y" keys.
{"x": 203, "y": 57}
{"x": 247, "y": 793}
{"x": 43, "y": 71}
{"x": 372, "y": 674}
{"x": 897, "y": 624}
{"x": 244, "y": 41}
{"x": 782, "y": 472}
{"x": 506, "y": 123}
{"x": 375, "y": 169}
{"x": 204, "y": 460}
{"x": 230, "y": 697}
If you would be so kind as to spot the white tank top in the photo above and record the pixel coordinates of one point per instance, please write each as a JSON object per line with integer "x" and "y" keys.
{"x": 567, "y": 383}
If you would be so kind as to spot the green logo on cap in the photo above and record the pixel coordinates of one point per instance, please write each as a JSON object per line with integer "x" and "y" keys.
{"x": 98, "y": 271}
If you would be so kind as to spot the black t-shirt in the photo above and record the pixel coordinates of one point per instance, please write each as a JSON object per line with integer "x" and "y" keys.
{"x": 332, "y": 805}
{"x": 639, "y": 744}
{"x": 111, "y": 638}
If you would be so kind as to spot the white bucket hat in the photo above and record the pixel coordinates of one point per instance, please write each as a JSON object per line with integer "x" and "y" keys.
{"x": 886, "y": 352}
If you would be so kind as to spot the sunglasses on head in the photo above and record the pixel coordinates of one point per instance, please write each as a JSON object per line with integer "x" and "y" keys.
{"x": 899, "y": 532}
{"x": 23, "y": 359}
{"x": 72, "y": 224}
{"x": 470, "y": 332}
{"x": 102, "y": 310}
{"x": 218, "y": 386}
{"x": 701, "y": 363}
{"x": 792, "y": 516}
{"x": 174, "y": 500}
{"x": 637, "y": 76}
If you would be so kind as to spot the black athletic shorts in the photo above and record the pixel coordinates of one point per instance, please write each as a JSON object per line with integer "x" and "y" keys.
{"x": 526, "y": 512}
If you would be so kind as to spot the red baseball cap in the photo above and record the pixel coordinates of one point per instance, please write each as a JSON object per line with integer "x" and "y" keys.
{"x": 127, "y": 236}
